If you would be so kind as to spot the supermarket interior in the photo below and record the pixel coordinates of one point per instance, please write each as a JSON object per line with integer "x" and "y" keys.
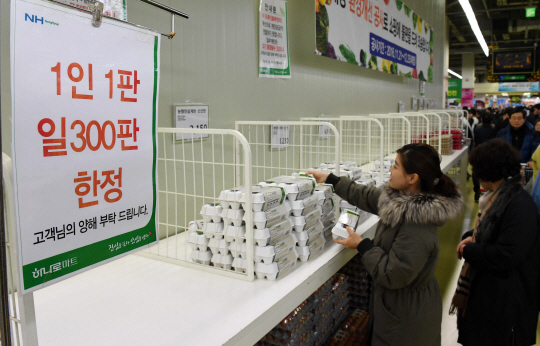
{"x": 272, "y": 172}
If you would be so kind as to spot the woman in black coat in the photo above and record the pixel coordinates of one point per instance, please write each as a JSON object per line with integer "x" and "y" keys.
{"x": 497, "y": 298}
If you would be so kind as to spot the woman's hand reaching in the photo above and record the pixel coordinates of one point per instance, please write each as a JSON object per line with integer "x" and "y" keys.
{"x": 320, "y": 177}
{"x": 352, "y": 241}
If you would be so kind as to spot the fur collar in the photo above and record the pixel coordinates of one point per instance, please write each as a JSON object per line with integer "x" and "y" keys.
{"x": 396, "y": 208}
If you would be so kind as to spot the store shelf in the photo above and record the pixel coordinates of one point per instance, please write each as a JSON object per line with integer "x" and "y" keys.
{"x": 141, "y": 301}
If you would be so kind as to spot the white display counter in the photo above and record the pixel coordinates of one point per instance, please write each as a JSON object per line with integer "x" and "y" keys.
{"x": 141, "y": 301}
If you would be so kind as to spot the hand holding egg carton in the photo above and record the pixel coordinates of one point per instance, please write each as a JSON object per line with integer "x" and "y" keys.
{"x": 348, "y": 218}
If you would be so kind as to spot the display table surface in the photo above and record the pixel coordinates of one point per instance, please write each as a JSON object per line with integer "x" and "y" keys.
{"x": 141, "y": 301}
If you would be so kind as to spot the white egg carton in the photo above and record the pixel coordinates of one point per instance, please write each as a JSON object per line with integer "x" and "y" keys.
{"x": 316, "y": 246}
{"x": 282, "y": 247}
{"x": 304, "y": 236}
{"x": 231, "y": 198}
{"x": 269, "y": 235}
{"x": 375, "y": 175}
{"x": 264, "y": 219}
{"x": 353, "y": 173}
{"x": 220, "y": 246}
{"x": 239, "y": 264}
{"x": 302, "y": 223}
{"x": 329, "y": 165}
{"x": 196, "y": 225}
{"x": 280, "y": 268}
{"x": 386, "y": 164}
{"x": 231, "y": 232}
{"x": 366, "y": 182}
{"x": 233, "y": 216}
{"x": 198, "y": 241}
{"x": 201, "y": 257}
{"x": 298, "y": 188}
{"x": 347, "y": 218}
{"x": 264, "y": 198}
{"x": 303, "y": 253}
{"x": 324, "y": 191}
{"x": 343, "y": 205}
{"x": 303, "y": 206}
{"x": 328, "y": 221}
{"x": 238, "y": 248}
{"x": 366, "y": 176}
{"x": 222, "y": 261}
{"x": 327, "y": 233}
{"x": 328, "y": 207}
{"x": 212, "y": 229}
{"x": 349, "y": 164}
{"x": 212, "y": 212}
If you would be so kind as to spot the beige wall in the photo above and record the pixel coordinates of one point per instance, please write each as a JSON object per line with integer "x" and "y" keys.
{"x": 214, "y": 59}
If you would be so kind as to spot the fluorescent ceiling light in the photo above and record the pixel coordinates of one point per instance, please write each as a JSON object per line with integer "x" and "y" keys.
{"x": 504, "y": 94}
{"x": 455, "y": 74}
{"x": 474, "y": 25}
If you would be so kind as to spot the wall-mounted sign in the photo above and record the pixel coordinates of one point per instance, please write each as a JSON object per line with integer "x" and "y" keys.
{"x": 519, "y": 86}
{"x": 384, "y": 35}
{"x": 273, "y": 40}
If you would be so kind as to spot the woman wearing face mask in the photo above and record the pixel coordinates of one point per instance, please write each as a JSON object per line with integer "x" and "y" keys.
{"x": 405, "y": 305}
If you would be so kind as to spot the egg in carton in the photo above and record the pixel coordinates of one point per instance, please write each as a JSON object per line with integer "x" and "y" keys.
{"x": 233, "y": 216}
{"x": 222, "y": 261}
{"x": 212, "y": 212}
{"x": 198, "y": 241}
{"x": 264, "y": 198}
{"x": 220, "y": 246}
{"x": 298, "y": 188}
{"x": 239, "y": 264}
{"x": 231, "y": 198}
{"x": 348, "y": 218}
{"x": 269, "y": 235}
{"x": 280, "y": 248}
{"x": 303, "y": 206}
{"x": 201, "y": 257}
{"x": 265, "y": 219}
{"x": 304, "y": 236}
{"x": 302, "y": 223}
{"x": 232, "y": 232}
{"x": 238, "y": 248}
{"x": 213, "y": 230}
{"x": 277, "y": 269}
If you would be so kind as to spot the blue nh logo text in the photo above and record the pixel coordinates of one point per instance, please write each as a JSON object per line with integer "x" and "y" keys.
{"x": 33, "y": 19}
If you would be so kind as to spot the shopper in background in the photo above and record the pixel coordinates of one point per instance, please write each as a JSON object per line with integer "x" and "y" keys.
{"x": 502, "y": 120}
{"x": 473, "y": 120}
{"x": 533, "y": 118}
{"x": 521, "y": 134}
{"x": 405, "y": 305}
{"x": 482, "y": 133}
{"x": 497, "y": 297}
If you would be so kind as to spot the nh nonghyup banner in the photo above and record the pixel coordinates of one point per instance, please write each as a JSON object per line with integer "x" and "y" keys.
{"x": 383, "y": 35}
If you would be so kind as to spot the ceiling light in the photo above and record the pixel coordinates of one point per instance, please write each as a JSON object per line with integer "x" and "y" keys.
{"x": 504, "y": 94}
{"x": 455, "y": 74}
{"x": 474, "y": 25}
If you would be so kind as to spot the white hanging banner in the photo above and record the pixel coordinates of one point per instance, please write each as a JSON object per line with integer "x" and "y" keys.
{"x": 273, "y": 40}
{"x": 84, "y": 139}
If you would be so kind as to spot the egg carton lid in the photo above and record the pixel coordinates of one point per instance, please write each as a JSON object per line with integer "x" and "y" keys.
{"x": 211, "y": 209}
{"x": 264, "y": 194}
{"x": 303, "y": 203}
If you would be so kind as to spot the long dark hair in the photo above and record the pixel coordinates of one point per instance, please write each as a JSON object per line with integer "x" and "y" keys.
{"x": 423, "y": 160}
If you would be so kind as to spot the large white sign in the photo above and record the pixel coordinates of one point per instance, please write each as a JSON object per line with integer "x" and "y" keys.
{"x": 84, "y": 134}
{"x": 273, "y": 40}
{"x": 381, "y": 35}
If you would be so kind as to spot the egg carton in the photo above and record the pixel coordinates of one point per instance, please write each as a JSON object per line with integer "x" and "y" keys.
{"x": 231, "y": 232}
{"x": 353, "y": 173}
{"x": 201, "y": 257}
{"x": 367, "y": 182}
{"x": 222, "y": 261}
{"x": 312, "y": 250}
{"x": 298, "y": 188}
{"x": 212, "y": 229}
{"x": 349, "y": 164}
{"x": 238, "y": 248}
{"x": 264, "y": 198}
{"x": 304, "y": 236}
{"x": 198, "y": 241}
{"x": 196, "y": 225}
{"x": 269, "y": 235}
{"x": 269, "y": 254}
{"x": 233, "y": 216}
{"x": 212, "y": 212}
{"x": 239, "y": 264}
{"x": 387, "y": 164}
{"x": 303, "y": 206}
{"x": 324, "y": 191}
{"x": 231, "y": 198}
{"x": 264, "y": 219}
{"x": 328, "y": 221}
{"x": 375, "y": 175}
{"x": 328, "y": 165}
{"x": 347, "y": 218}
{"x": 328, "y": 207}
{"x": 302, "y": 223}
{"x": 277, "y": 269}
{"x": 344, "y": 205}
{"x": 220, "y": 246}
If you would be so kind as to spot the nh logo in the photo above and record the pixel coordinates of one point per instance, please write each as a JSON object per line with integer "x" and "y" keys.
{"x": 33, "y": 19}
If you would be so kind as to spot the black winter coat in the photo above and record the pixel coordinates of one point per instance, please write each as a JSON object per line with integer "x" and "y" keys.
{"x": 505, "y": 273}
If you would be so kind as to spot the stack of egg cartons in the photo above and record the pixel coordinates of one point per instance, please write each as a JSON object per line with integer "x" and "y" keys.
{"x": 387, "y": 163}
{"x": 325, "y": 196}
{"x": 214, "y": 230}
{"x": 306, "y": 213}
{"x": 274, "y": 254}
{"x": 198, "y": 243}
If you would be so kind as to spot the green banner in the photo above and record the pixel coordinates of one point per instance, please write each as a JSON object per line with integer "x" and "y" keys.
{"x": 454, "y": 88}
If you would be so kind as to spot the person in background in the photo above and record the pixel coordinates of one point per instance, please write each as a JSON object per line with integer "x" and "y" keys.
{"x": 482, "y": 133}
{"x": 497, "y": 296}
{"x": 521, "y": 134}
{"x": 537, "y": 126}
{"x": 534, "y": 164}
{"x": 502, "y": 120}
{"x": 473, "y": 120}
{"x": 405, "y": 306}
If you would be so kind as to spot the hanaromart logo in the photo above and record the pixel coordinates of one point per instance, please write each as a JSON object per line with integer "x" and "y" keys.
{"x": 35, "y": 19}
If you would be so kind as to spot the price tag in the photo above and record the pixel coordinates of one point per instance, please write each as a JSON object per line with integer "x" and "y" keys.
{"x": 414, "y": 103}
{"x": 401, "y": 107}
{"x": 191, "y": 116}
{"x": 280, "y": 136}
{"x": 422, "y": 103}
